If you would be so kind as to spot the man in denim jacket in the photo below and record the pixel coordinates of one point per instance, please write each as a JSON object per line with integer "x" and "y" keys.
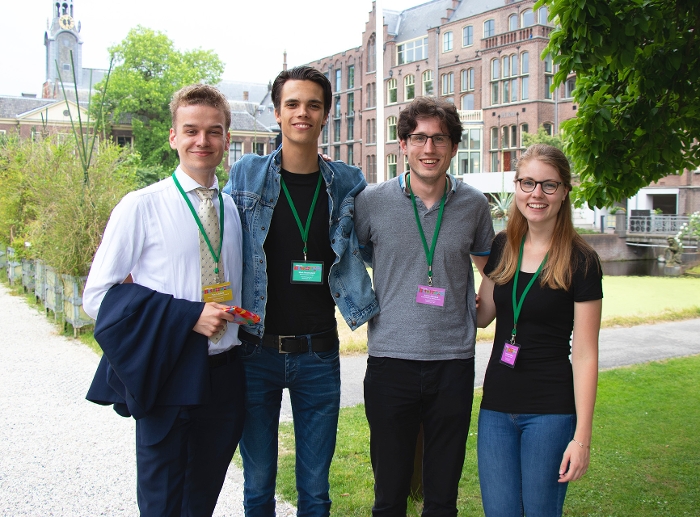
{"x": 300, "y": 259}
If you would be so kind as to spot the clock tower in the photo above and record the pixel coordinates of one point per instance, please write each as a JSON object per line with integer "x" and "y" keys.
{"x": 61, "y": 37}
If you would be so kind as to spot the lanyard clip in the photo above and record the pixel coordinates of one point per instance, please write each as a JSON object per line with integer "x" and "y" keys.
{"x": 430, "y": 276}
{"x": 512, "y": 337}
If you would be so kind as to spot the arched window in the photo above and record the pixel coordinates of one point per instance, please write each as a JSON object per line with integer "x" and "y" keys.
{"x": 467, "y": 36}
{"x": 489, "y": 28}
{"x": 528, "y": 18}
{"x": 371, "y": 54}
{"x": 524, "y": 77}
{"x": 543, "y": 16}
{"x": 427, "y": 83}
{"x": 512, "y": 22}
{"x": 391, "y": 166}
{"x": 448, "y": 83}
{"x": 467, "y": 79}
{"x": 391, "y": 129}
{"x": 391, "y": 91}
{"x": 409, "y": 87}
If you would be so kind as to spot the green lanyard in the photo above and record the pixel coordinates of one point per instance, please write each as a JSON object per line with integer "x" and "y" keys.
{"x": 428, "y": 252}
{"x": 517, "y": 305}
{"x": 214, "y": 255}
{"x": 304, "y": 231}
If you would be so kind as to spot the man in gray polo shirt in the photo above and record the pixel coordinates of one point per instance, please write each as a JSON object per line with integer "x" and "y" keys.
{"x": 422, "y": 228}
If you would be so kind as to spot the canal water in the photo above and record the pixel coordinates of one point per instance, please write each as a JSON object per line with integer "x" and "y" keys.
{"x": 633, "y": 268}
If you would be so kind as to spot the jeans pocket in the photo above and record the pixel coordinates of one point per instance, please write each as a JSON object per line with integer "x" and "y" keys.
{"x": 328, "y": 356}
{"x": 248, "y": 350}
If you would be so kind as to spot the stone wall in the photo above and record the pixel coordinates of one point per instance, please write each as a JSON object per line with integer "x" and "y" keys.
{"x": 611, "y": 247}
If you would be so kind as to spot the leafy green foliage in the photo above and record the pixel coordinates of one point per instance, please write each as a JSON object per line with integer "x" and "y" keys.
{"x": 542, "y": 137}
{"x": 148, "y": 70}
{"x": 637, "y": 64}
{"x": 44, "y": 199}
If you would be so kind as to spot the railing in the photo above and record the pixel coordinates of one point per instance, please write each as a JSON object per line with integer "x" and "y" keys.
{"x": 471, "y": 116}
{"x": 659, "y": 224}
{"x": 523, "y": 34}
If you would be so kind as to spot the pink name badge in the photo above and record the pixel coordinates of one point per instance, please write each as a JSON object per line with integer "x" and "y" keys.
{"x": 430, "y": 296}
{"x": 510, "y": 354}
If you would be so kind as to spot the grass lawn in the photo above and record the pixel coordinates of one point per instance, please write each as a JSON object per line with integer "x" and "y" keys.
{"x": 645, "y": 460}
{"x": 627, "y": 301}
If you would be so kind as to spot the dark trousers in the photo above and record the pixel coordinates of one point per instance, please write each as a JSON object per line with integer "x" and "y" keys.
{"x": 182, "y": 474}
{"x": 399, "y": 396}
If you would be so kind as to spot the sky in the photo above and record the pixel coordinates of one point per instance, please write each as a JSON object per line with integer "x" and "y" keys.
{"x": 249, "y": 36}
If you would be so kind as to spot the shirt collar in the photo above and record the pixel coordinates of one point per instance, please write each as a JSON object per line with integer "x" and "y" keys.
{"x": 402, "y": 184}
{"x": 188, "y": 184}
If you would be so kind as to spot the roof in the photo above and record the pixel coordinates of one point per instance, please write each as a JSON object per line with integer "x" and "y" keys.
{"x": 233, "y": 90}
{"x": 414, "y": 22}
{"x": 467, "y": 8}
{"x": 13, "y": 107}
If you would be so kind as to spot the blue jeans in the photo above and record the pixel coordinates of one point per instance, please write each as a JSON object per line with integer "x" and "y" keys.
{"x": 313, "y": 380}
{"x": 400, "y": 395}
{"x": 519, "y": 458}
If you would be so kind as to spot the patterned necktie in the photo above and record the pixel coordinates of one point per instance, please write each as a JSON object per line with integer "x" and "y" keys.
{"x": 210, "y": 223}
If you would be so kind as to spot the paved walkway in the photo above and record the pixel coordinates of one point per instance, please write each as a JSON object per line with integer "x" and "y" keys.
{"x": 61, "y": 455}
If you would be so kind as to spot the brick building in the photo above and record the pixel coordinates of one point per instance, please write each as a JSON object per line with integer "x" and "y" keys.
{"x": 485, "y": 57}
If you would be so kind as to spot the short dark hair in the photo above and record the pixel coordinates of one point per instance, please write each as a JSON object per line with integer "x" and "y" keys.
{"x": 302, "y": 73}
{"x": 429, "y": 107}
{"x": 200, "y": 94}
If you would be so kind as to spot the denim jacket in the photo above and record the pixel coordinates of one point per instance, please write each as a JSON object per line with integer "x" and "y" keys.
{"x": 254, "y": 184}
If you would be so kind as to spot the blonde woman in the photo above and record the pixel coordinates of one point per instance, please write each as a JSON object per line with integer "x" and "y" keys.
{"x": 542, "y": 283}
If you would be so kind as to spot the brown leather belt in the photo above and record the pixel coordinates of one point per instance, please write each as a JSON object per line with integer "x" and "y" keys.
{"x": 322, "y": 342}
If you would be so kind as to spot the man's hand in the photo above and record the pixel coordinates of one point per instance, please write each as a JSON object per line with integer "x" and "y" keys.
{"x": 212, "y": 319}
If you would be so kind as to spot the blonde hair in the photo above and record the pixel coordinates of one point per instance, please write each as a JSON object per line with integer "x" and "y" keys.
{"x": 203, "y": 95}
{"x": 562, "y": 261}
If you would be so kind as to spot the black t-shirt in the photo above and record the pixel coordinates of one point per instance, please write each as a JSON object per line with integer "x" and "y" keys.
{"x": 542, "y": 380}
{"x": 295, "y": 309}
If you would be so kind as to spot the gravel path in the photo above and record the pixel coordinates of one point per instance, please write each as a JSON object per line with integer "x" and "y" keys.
{"x": 60, "y": 454}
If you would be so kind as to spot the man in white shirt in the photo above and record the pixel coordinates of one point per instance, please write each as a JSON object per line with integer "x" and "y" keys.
{"x": 170, "y": 348}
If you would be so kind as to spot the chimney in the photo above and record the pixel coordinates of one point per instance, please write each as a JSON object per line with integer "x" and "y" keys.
{"x": 284, "y": 64}
{"x": 245, "y": 96}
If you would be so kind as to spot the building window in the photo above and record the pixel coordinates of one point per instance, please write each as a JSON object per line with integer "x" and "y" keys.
{"x": 405, "y": 163}
{"x": 324, "y": 134}
{"x": 512, "y": 22}
{"x": 371, "y": 54}
{"x": 409, "y": 87}
{"x": 428, "y": 83}
{"x": 391, "y": 166}
{"x": 489, "y": 28}
{"x": 494, "y": 138}
{"x": 469, "y": 152}
{"x": 548, "y": 76}
{"x": 505, "y": 139}
{"x": 523, "y": 130}
{"x": 495, "y": 76}
{"x": 391, "y": 92}
{"x": 543, "y": 16}
{"x": 448, "y": 83}
{"x": 350, "y": 128}
{"x": 467, "y": 79}
{"x": 371, "y": 172}
{"x": 122, "y": 141}
{"x": 338, "y": 80}
{"x": 468, "y": 101}
{"x": 467, "y": 36}
{"x": 412, "y": 51}
{"x": 391, "y": 129}
{"x": 524, "y": 79}
{"x": 336, "y": 108}
{"x": 351, "y": 155}
{"x": 547, "y": 128}
{"x": 259, "y": 148}
{"x": 569, "y": 87}
{"x": 351, "y": 104}
{"x": 351, "y": 77}
{"x": 336, "y": 153}
{"x": 336, "y": 130}
{"x": 371, "y": 131}
{"x": 235, "y": 151}
{"x": 447, "y": 41}
{"x": 371, "y": 95}
{"x": 528, "y": 18}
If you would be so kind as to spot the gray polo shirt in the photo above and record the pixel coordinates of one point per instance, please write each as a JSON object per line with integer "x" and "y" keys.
{"x": 385, "y": 222}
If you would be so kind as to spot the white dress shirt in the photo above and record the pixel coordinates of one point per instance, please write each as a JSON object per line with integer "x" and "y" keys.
{"x": 153, "y": 236}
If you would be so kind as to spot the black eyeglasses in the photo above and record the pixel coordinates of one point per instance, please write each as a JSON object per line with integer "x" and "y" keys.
{"x": 420, "y": 140}
{"x": 548, "y": 187}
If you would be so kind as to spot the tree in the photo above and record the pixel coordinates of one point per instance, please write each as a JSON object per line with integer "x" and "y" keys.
{"x": 542, "y": 137}
{"x": 148, "y": 70}
{"x": 637, "y": 65}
